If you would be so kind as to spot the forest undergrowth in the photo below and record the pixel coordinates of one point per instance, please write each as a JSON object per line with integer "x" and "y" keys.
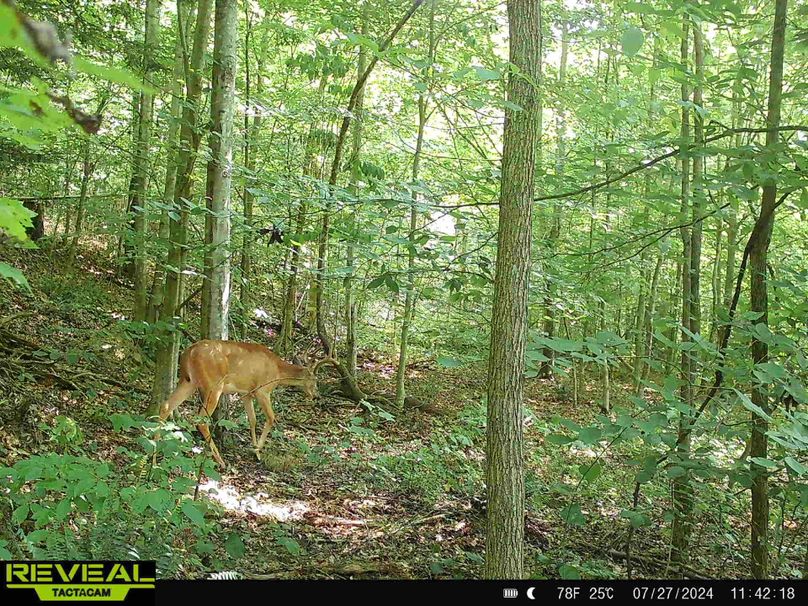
{"x": 343, "y": 490}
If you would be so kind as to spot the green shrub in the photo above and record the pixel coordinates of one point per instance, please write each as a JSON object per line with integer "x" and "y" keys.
{"x": 66, "y": 506}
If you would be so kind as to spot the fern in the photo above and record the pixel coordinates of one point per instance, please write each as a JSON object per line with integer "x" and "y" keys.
{"x": 226, "y": 575}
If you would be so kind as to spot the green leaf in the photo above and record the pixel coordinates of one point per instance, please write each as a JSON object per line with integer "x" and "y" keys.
{"x": 796, "y": 466}
{"x": 159, "y": 500}
{"x": 63, "y": 509}
{"x": 376, "y": 282}
{"x": 625, "y": 420}
{"x": 290, "y": 545}
{"x": 573, "y": 515}
{"x": 20, "y": 514}
{"x": 676, "y": 472}
{"x": 203, "y": 546}
{"x": 14, "y": 218}
{"x": 564, "y": 345}
{"x": 234, "y": 545}
{"x": 631, "y": 41}
{"x": 121, "y": 422}
{"x": 569, "y": 573}
{"x": 14, "y": 274}
{"x": 751, "y": 406}
{"x": 5, "y": 554}
{"x": 803, "y": 201}
{"x": 767, "y": 463}
{"x": 636, "y": 518}
{"x": 12, "y": 35}
{"x": 762, "y": 333}
{"x": 590, "y": 473}
{"x": 487, "y": 74}
{"x": 639, "y": 7}
{"x": 768, "y": 372}
{"x": 360, "y": 40}
{"x": 113, "y": 74}
{"x": 649, "y": 468}
{"x": 193, "y": 513}
{"x": 669, "y": 388}
{"x": 590, "y": 435}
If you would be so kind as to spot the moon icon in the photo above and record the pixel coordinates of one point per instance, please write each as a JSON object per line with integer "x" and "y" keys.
{"x": 530, "y": 593}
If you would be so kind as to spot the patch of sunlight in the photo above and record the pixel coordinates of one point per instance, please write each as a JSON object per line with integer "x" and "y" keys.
{"x": 583, "y": 451}
{"x": 259, "y": 503}
{"x": 608, "y": 511}
{"x": 725, "y": 453}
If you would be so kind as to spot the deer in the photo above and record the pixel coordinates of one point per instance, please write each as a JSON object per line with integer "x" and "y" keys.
{"x": 251, "y": 370}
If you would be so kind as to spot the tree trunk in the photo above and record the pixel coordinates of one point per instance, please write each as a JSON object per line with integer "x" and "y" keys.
{"x": 698, "y": 190}
{"x": 37, "y": 229}
{"x": 169, "y": 340}
{"x": 546, "y": 367}
{"x": 409, "y": 299}
{"x": 290, "y": 295}
{"x": 732, "y": 215}
{"x": 758, "y": 259}
{"x": 336, "y": 167}
{"x": 216, "y": 288}
{"x": 87, "y": 168}
{"x": 158, "y": 280}
{"x": 250, "y": 138}
{"x": 648, "y": 330}
{"x": 504, "y": 457}
{"x": 639, "y": 320}
{"x": 142, "y": 164}
{"x": 682, "y": 491}
{"x": 350, "y": 252}
{"x": 715, "y": 282}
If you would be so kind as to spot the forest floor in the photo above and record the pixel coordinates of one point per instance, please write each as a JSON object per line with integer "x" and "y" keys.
{"x": 343, "y": 490}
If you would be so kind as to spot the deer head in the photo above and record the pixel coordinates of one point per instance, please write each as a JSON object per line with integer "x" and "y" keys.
{"x": 308, "y": 377}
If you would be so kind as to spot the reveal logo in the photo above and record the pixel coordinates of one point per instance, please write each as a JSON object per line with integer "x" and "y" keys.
{"x": 69, "y": 581}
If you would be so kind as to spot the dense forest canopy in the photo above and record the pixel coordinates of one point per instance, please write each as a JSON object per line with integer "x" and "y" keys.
{"x": 551, "y": 255}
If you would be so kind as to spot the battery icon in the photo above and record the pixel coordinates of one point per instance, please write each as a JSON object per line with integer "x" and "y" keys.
{"x": 510, "y": 592}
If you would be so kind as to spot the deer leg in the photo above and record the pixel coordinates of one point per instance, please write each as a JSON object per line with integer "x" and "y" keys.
{"x": 266, "y": 404}
{"x": 211, "y": 402}
{"x": 248, "y": 406}
{"x": 184, "y": 391}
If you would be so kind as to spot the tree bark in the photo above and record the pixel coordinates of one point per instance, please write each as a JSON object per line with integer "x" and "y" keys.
{"x": 87, "y": 168}
{"x": 37, "y": 229}
{"x": 759, "y": 302}
{"x": 504, "y": 456}
{"x": 349, "y": 359}
{"x": 170, "y": 182}
{"x": 169, "y": 340}
{"x": 546, "y": 367}
{"x": 409, "y": 299}
{"x": 250, "y": 139}
{"x": 682, "y": 491}
{"x": 142, "y": 164}
{"x": 290, "y": 295}
{"x": 216, "y": 288}
{"x": 647, "y": 327}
